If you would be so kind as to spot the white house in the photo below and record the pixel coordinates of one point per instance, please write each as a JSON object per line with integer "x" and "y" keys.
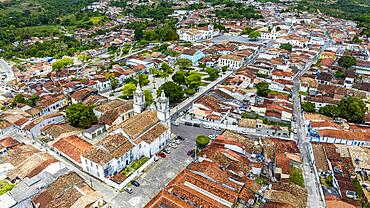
{"x": 193, "y": 35}
{"x": 231, "y": 61}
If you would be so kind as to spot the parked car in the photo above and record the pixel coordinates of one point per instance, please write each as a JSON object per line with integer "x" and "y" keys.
{"x": 207, "y": 127}
{"x": 188, "y": 124}
{"x": 176, "y": 141}
{"x": 212, "y": 136}
{"x": 217, "y": 128}
{"x": 181, "y": 114}
{"x": 180, "y": 138}
{"x": 175, "y": 123}
{"x": 167, "y": 150}
{"x": 162, "y": 155}
{"x": 128, "y": 190}
{"x": 295, "y": 130}
{"x": 173, "y": 145}
{"x": 191, "y": 153}
{"x": 244, "y": 132}
{"x": 135, "y": 183}
{"x": 197, "y": 125}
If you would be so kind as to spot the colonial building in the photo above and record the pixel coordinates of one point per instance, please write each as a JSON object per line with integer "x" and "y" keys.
{"x": 142, "y": 135}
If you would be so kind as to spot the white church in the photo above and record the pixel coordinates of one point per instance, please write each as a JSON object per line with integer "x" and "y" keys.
{"x": 142, "y": 135}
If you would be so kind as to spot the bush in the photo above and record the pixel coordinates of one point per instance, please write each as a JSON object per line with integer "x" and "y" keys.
{"x": 202, "y": 141}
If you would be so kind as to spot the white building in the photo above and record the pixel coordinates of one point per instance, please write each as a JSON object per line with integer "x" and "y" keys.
{"x": 193, "y": 35}
{"x": 142, "y": 135}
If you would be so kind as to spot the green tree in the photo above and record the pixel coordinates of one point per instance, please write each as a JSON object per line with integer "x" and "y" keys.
{"x": 329, "y": 110}
{"x": 166, "y": 68}
{"x": 202, "y": 141}
{"x": 128, "y": 90}
{"x": 183, "y": 63}
{"x": 148, "y": 97}
{"x": 347, "y": 61}
{"x": 308, "y": 107}
{"x": 62, "y": 63}
{"x": 213, "y": 73}
{"x": 194, "y": 79}
{"x": 143, "y": 79}
{"x": 286, "y": 46}
{"x": 130, "y": 80}
{"x": 224, "y": 68}
{"x": 173, "y": 91}
{"x": 179, "y": 77}
{"x": 254, "y": 35}
{"x": 19, "y": 98}
{"x": 81, "y": 116}
{"x": 353, "y": 109}
{"x": 114, "y": 83}
{"x": 262, "y": 89}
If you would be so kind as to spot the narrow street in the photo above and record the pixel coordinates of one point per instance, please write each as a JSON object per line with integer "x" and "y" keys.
{"x": 312, "y": 185}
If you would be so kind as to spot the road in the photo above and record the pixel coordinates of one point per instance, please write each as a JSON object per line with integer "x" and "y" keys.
{"x": 158, "y": 175}
{"x": 313, "y": 186}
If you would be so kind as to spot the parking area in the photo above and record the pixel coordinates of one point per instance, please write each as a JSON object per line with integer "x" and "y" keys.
{"x": 160, "y": 173}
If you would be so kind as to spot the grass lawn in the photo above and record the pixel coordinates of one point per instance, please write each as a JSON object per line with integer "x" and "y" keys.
{"x": 5, "y": 187}
{"x": 97, "y": 20}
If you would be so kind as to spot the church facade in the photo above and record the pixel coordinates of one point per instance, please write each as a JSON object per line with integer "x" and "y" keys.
{"x": 143, "y": 135}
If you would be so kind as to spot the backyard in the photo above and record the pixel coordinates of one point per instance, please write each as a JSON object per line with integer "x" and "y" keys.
{"x": 134, "y": 166}
{"x": 5, "y": 187}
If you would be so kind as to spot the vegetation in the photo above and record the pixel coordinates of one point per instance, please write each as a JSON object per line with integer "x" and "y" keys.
{"x": 347, "y": 61}
{"x": 340, "y": 74}
{"x": 5, "y": 187}
{"x": 128, "y": 90}
{"x": 296, "y": 176}
{"x": 183, "y": 63}
{"x": 254, "y": 35}
{"x": 247, "y": 31}
{"x": 158, "y": 12}
{"x": 173, "y": 91}
{"x": 262, "y": 89}
{"x": 360, "y": 193}
{"x": 202, "y": 141}
{"x": 62, "y": 63}
{"x": 179, "y": 77}
{"x": 31, "y": 101}
{"x": 193, "y": 79}
{"x": 213, "y": 73}
{"x": 308, "y": 107}
{"x": 352, "y": 109}
{"x": 286, "y": 46}
{"x": 148, "y": 97}
{"x": 238, "y": 11}
{"x": 136, "y": 164}
{"x": 329, "y": 110}
{"x": 81, "y": 116}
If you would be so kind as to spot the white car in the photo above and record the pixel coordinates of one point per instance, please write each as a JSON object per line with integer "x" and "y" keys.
{"x": 167, "y": 150}
{"x": 176, "y": 141}
{"x": 211, "y": 136}
{"x": 216, "y": 128}
{"x": 128, "y": 190}
{"x": 175, "y": 123}
{"x": 173, "y": 145}
{"x": 207, "y": 127}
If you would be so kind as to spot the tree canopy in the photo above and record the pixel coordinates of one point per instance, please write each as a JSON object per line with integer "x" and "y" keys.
{"x": 308, "y": 107}
{"x": 213, "y": 73}
{"x": 347, "y": 61}
{"x": 62, "y": 63}
{"x": 81, "y": 116}
{"x": 128, "y": 90}
{"x": 353, "y": 109}
{"x": 286, "y": 46}
{"x": 179, "y": 77}
{"x": 254, "y": 35}
{"x": 262, "y": 89}
{"x": 173, "y": 91}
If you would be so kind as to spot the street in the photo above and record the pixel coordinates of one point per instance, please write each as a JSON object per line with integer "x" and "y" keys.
{"x": 312, "y": 185}
{"x": 160, "y": 173}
